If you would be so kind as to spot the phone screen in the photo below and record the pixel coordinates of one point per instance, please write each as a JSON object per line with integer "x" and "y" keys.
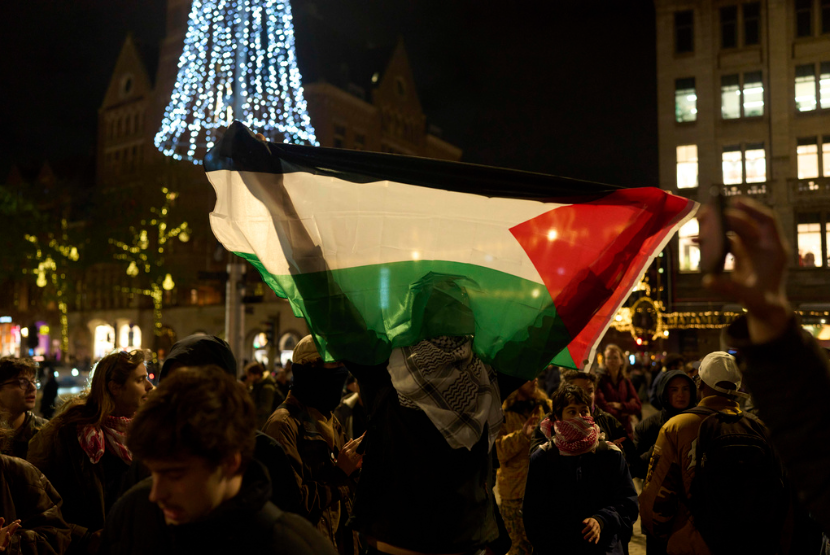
{"x": 712, "y": 235}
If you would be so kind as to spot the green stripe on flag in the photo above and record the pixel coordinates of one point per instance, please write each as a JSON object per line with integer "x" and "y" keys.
{"x": 373, "y": 309}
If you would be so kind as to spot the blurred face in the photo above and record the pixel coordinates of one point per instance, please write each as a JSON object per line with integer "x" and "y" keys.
{"x": 613, "y": 360}
{"x": 253, "y": 377}
{"x": 130, "y": 396}
{"x": 679, "y": 393}
{"x": 575, "y": 410}
{"x": 188, "y": 488}
{"x": 588, "y": 386}
{"x": 15, "y": 399}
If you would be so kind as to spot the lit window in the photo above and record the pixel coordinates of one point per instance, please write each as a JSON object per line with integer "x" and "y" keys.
{"x": 688, "y": 247}
{"x": 807, "y": 152}
{"x": 686, "y": 166}
{"x": 729, "y": 27}
{"x": 752, "y": 23}
{"x": 825, "y": 155}
{"x": 684, "y": 32}
{"x": 805, "y": 88}
{"x": 756, "y": 163}
{"x": 685, "y": 99}
{"x": 753, "y": 94}
{"x": 824, "y": 85}
{"x": 731, "y": 162}
{"x": 730, "y": 93}
{"x": 809, "y": 240}
{"x": 803, "y": 18}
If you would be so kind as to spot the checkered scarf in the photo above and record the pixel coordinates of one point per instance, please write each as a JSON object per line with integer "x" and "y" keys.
{"x": 572, "y": 437}
{"x": 112, "y": 435}
{"x": 444, "y": 379}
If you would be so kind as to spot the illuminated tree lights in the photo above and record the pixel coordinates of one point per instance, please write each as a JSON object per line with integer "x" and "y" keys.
{"x": 238, "y": 63}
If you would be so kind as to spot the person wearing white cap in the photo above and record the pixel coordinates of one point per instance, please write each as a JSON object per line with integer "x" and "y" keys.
{"x": 668, "y": 507}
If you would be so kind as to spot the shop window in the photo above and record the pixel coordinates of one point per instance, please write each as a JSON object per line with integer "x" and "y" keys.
{"x": 685, "y": 99}
{"x": 684, "y": 32}
{"x": 729, "y": 27}
{"x": 687, "y": 168}
{"x": 805, "y": 88}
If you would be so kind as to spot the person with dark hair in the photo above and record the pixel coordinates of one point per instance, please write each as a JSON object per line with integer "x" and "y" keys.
{"x": 83, "y": 450}
{"x": 615, "y": 392}
{"x": 323, "y": 461}
{"x": 199, "y": 350}
{"x": 674, "y": 361}
{"x": 18, "y": 392}
{"x": 263, "y": 391}
{"x": 579, "y": 497}
{"x": 207, "y": 494}
{"x": 49, "y": 394}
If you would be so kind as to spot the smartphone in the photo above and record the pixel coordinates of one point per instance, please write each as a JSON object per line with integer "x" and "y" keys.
{"x": 714, "y": 244}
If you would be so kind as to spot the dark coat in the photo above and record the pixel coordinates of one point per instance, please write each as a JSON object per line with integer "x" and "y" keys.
{"x": 622, "y": 392}
{"x": 246, "y": 523}
{"x": 18, "y": 445}
{"x": 266, "y": 398}
{"x": 415, "y": 491}
{"x": 563, "y": 491}
{"x": 646, "y": 432}
{"x": 26, "y": 494}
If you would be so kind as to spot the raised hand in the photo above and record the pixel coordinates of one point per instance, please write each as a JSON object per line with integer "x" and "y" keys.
{"x": 6, "y": 532}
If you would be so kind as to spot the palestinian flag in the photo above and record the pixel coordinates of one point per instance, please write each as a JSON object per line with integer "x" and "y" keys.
{"x": 379, "y": 251}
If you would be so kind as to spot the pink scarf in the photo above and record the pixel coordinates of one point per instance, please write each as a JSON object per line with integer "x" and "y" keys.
{"x": 111, "y": 435}
{"x": 573, "y": 437}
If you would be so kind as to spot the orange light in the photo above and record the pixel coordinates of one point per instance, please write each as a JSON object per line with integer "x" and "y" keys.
{"x": 152, "y": 376}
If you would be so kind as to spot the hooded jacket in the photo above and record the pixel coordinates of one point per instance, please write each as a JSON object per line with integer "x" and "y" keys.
{"x": 200, "y": 350}
{"x": 246, "y": 523}
{"x": 645, "y": 434}
{"x": 26, "y": 494}
{"x": 513, "y": 446}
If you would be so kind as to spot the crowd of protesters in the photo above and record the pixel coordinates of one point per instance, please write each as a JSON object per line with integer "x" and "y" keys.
{"x": 402, "y": 458}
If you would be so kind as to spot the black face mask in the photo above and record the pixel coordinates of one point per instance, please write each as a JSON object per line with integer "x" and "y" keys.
{"x": 320, "y": 388}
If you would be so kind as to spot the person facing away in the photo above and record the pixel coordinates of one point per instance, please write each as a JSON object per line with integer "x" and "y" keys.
{"x": 263, "y": 391}
{"x": 715, "y": 484}
{"x": 206, "y": 493}
{"x": 579, "y": 497}
{"x": 324, "y": 463}
{"x": 615, "y": 392}
{"x": 523, "y": 409}
{"x": 49, "y": 394}
{"x": 18, "y": 392}
{"x": 83, "y": 450}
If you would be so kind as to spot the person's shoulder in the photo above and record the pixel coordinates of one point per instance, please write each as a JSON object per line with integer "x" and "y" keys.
{"x": 20, "y": 468}
{"x": 295, "y": 535}
{"x": 281, "y": 422}
{"x": 135, "y": 500}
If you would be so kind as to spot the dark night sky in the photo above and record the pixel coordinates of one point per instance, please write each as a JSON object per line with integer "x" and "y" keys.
{"x": 567, "y": 90}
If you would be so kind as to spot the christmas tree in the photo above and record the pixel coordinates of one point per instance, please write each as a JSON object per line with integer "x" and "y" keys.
{"x": 238, "y": 64}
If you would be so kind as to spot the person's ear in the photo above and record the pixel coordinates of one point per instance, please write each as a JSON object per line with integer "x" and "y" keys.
{"x": 231, "y": 464}
{"x": 114, "y": 389}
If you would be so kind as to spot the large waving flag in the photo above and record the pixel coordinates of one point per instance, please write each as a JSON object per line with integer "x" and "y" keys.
{"x": 379, "y": 251}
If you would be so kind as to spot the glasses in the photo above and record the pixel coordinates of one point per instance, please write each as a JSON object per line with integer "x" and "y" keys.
{"x": 23, "y": 383}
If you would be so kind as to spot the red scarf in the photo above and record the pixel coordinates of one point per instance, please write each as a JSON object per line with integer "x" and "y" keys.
{"x": 111, "y": 435}
{"x": 573, "y": 437}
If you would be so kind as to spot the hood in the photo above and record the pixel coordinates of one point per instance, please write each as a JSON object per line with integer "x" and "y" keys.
{"x": 539, "y": 398}
{"x": 200, "y": 350}
{"x": 662, "y": 393}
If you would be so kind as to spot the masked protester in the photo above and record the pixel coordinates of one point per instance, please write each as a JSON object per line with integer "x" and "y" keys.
{"x": 324, "y": 463}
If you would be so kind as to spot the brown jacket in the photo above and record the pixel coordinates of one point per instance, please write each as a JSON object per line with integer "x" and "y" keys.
{"x": 513, "y": 446}
{"x": 26, "y": 494}
{"x": 312, "y": 443}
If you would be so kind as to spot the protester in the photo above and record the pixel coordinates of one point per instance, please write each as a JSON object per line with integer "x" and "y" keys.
{"x": 733, "y": 502}
{"x": 579, "y": 497}
{"x": 199, "y": 350}
{"x": 523, "y": 409}
{"x": 206, "y": 494}
{"x": 673, "y": 361}
{"x": 263, "y": 392}
{"x": 83, "y": 451}
{"x": 351, "y": 413}
{"x": 615, "y": 393}
{"x": 283, "y": 377}
{"x": 49, "y": 394}
{"x": 323, "y": 462}
{"x": 18, "y": 392}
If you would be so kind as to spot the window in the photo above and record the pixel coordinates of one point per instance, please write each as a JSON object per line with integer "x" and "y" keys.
{"x": 684, "y": 32}
{"x": 339, "y": 136}
{"x": 359, "y": 141}
{"x": 807, "y": 153}
{"x": 685, "y": 99}
{"x": 730, "y": 94}
{"x": 689, "y": 250}
{"x": 755, "y": 163}
{"x": 803, "y": 18}
{"x": 752, "y": 23}
{"x": 825, "y": 16}
{"x": 753, "y": 94}
{"x": 824, "y": 85}
{"x": 805, "y": 88}
{"x": 809, "y": 236}
{"x": 687, "y": 166}
{"x": 729, "y": 27}
{"x": 825, "y": 155}
{"x": 731, "y": 163}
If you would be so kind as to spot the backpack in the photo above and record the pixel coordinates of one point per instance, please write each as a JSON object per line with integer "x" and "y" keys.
{"x": 738, "y": 496}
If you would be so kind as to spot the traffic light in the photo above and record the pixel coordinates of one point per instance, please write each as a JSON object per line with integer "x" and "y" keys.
{"x": 269, "y": 331}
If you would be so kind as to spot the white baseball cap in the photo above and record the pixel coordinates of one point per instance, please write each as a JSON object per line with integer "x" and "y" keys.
{"x": 720, "y": 366}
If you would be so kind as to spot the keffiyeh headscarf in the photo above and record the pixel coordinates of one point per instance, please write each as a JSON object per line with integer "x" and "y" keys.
{"x": 572, "y": 437}
{"x": 111, "y": 435}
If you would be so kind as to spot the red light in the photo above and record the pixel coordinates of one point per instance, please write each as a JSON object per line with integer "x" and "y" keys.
{"x": 639, "y": 341}
{"x": 152, "y": 376}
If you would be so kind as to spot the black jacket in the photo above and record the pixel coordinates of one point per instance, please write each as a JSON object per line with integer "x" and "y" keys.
{"x": 645, "y": 434}
{"x": 563, "y": 491}
{"x": 247, "y": 523}
{"x": 416, "y": 492}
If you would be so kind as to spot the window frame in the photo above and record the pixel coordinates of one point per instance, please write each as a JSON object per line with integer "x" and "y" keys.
{"x": 677, "y": 84}
{"x": 741, "y": 82}
{"x": 742, "y": 148}
{"x": 822, "y": 221}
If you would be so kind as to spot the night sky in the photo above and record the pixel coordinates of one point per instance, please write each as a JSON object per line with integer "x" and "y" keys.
{"x": 567, "y": 90}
